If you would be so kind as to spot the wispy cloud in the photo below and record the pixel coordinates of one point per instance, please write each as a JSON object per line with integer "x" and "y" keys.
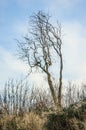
{"x": 74, "y": 50}
{"x": 10, "y": 66}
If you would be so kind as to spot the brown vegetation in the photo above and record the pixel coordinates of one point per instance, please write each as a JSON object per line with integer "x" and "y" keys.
{"x": 20, "y": 111}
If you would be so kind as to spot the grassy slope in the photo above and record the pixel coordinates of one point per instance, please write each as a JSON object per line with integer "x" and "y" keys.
{"x": 72, "y": 118}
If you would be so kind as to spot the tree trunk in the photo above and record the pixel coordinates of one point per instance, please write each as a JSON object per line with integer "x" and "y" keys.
{"x": 52, "y": 91}
{"x": 60, "y": 82}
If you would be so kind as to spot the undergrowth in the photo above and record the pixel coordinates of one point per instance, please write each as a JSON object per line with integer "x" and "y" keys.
{"x": 71, "y": 118}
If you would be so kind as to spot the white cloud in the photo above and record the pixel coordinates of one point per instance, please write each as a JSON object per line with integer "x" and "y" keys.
{"x": 74, "y": 50}
{"x": 10, "y": 67}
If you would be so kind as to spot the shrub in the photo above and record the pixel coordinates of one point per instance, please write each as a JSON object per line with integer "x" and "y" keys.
{"x": 57, "y": 122}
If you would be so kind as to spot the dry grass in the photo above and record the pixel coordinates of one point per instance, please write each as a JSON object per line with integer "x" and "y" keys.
{"x": 29, "y": 121}
{"x": 32, "y": 121}
{"x": 71, "y": 118}
{"x": 76, "y": 124}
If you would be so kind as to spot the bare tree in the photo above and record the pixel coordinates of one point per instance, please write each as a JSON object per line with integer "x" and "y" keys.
{"x": 42, "y": 40}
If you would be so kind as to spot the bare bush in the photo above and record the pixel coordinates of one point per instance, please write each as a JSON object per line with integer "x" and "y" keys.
{"x": 14, "y": 97}
{"x": 73, "y": 93}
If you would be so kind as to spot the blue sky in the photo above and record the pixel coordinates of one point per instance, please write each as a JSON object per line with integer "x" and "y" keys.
{"x": 14, "y": 16}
